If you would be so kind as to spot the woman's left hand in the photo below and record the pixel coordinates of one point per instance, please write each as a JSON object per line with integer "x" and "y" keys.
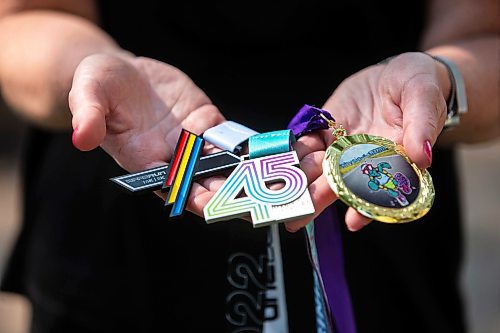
{"x": 403, "y": 100}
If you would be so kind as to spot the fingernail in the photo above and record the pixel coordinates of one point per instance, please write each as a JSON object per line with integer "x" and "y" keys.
{"x": 428, "y": 151}
{"x": 353, "y": 228}
{"x": 73, "y": 137}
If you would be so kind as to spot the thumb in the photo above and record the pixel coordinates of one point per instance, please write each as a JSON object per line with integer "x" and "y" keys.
{"x": 424, "y": 113}
{"x": 88, "y": 106}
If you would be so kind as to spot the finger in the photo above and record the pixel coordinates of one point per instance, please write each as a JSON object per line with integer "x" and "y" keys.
{"x": 209, "y": 148}
{"x": 212, "y": 183}
{"x": 424, "y": 113}
{"x": 355, "y": 221}
{"x": 89, "y": 108}
{"x": 202, "y": 118}
{"x": 311, "y": 164}
{"x": 296, "y": 225}
{"x": 322, "y": 197}
{"x": 412, "y": 83}
{"x": 161, "y": 195}
{"x": 201, "y": 192}
{"x": 308, "y": 144}
{"x": 198, "y": 199}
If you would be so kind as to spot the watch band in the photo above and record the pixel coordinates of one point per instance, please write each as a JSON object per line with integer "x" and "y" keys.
{"x": 229, "y": 135}
{"x": 457, "y": 101}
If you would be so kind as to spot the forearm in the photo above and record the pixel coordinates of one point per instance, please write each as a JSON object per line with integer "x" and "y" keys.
{"x": 39, "y": 54}
{"x": 477, "y": 59}
{"x": 467, "y": 32}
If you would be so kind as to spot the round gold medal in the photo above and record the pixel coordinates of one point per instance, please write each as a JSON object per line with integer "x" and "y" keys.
{"x": 375, "y": 176}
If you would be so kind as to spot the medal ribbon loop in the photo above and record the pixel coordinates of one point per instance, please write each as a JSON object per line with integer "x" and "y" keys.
{"x": 324, "y": 239}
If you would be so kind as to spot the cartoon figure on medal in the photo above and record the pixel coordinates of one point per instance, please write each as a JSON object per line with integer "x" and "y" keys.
{"x": 374, "y": 175}
{"x": 379, "y": 175}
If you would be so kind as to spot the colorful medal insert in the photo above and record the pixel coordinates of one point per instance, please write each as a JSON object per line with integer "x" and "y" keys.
{"x": 182, "y": 167}
{"x": 375, "y": 176}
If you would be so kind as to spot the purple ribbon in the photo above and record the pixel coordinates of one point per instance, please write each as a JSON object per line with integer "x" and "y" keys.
{"x": 308, "y": 120}
{"x": 327, "y": 235}
{"x": 331, "y": 265}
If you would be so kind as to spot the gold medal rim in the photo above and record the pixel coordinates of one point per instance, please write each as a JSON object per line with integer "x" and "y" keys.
{"x": 418, "y": 208}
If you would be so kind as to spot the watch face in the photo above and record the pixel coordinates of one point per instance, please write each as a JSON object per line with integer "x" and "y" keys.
{"x": 375, "y": 176}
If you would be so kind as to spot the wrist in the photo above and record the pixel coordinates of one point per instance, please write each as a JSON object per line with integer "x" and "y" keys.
{"x": 444, "y": 81}
{"x": 456, "y": 98}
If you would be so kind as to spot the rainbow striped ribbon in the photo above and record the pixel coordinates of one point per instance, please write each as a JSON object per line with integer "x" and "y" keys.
{"x": 181, "y": 171}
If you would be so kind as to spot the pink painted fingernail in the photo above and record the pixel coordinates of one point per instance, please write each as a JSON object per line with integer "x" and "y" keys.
{"x": 73, "y": 137}
{"x": 428, "y": 151}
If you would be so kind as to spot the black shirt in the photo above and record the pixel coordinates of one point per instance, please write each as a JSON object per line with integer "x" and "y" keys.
{"x": 94, "y": 259}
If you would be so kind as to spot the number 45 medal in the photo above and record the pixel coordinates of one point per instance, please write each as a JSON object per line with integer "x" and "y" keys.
{"x": 247, "y": 190}
{"x": 375, "y": 176}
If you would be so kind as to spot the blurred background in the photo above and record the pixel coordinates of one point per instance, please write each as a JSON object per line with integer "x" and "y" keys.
{"x": 480, "y": 175}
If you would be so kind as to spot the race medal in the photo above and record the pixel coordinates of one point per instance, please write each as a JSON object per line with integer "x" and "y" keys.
{"x": 246, "y": 191}
{"x": 176, "y": 178}
{"x": 375, "y": 176}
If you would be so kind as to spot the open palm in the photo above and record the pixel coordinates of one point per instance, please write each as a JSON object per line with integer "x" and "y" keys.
{"x": 134, "y": 108}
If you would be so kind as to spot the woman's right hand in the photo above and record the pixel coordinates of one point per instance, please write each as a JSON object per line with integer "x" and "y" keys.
{"x": 134, "y": 108}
